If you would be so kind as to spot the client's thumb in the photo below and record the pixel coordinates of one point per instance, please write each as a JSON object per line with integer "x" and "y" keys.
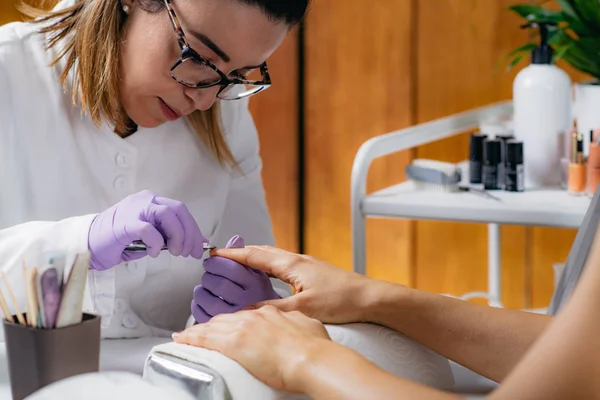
{"x": 236, "y": 242}
{"x": 282, "y": 304}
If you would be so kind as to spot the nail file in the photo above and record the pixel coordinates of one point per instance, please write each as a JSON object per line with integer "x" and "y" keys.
{"x": 70, "y": 311}
{"x": 44, "y": 270}
{"x": 33, "y": 310}
{"x": 140, "y": 247}
{"x": 50, "y": 293}
{"x": 28, "y": 304}
{"x": 59, "y": 261}
{"x": 33, "y": 275}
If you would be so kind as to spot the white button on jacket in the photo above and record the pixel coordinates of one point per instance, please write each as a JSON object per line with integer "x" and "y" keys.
{"x": 57, "y": 170}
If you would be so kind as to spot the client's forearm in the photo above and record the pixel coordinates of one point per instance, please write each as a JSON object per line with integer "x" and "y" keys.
{"x": 331, "y": 371}
{"x": 488, "y": 340}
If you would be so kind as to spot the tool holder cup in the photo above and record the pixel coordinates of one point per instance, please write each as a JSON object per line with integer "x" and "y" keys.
{"x": 40, "y": 357}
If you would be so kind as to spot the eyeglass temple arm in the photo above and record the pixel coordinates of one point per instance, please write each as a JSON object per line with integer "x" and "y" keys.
{"x": 176, "y": 26}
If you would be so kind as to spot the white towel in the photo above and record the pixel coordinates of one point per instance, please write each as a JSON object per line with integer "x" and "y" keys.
{"x": 388, "y": 349}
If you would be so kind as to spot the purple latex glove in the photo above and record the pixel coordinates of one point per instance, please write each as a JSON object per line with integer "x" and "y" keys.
{"x": 147, "y": 217}
{"x": 228, "y": 287}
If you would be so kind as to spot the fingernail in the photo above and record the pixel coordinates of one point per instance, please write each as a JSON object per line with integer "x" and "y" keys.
{"x": 175, "y": 335}
{"x": 235, "y": 242}
{"x": 250, "y": 307}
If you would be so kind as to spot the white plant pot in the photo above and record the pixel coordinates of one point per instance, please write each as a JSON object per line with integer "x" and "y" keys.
{"x": 587, "y": 109}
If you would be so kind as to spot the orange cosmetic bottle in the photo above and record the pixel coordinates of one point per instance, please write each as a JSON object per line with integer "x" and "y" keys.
{"x": 577, "y": 171}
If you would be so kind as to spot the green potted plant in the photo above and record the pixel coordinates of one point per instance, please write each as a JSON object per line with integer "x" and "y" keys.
{"x": 576, "y": 40}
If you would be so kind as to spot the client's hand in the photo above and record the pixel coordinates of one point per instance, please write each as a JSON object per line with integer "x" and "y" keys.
{"x": 228, "y": 286}
{"x": 323, "y": 291}
{"x": 270, "y": 344}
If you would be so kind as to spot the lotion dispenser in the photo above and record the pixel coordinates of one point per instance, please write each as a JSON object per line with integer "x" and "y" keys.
{"x": 542, "y": 100}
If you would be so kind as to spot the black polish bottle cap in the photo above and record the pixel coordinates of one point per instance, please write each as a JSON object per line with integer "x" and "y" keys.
{"x": 492, "y": 151}
{"x": 505, "y": 138}
{"x": 514, "y": 152}
{"x": 476, "y": 147}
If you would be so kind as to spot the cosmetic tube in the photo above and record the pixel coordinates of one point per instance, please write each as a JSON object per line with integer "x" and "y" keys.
{"x": 577, "y": 169}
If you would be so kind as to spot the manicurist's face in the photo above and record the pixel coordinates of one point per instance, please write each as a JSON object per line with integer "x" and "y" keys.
{"x": 229, "y": 33}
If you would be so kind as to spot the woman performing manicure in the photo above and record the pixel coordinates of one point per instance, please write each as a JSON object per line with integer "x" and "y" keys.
{"x": 128, "y": 120}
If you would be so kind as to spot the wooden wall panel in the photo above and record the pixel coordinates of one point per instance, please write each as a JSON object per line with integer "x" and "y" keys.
{"x": 358, "y": 85}
{"x": 276, "y": 116}
{"x": 459, "y": 45}
{"x": 8, "y": 12}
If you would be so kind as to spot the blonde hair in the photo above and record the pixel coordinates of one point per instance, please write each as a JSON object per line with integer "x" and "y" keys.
{"x": 96, "y": 68}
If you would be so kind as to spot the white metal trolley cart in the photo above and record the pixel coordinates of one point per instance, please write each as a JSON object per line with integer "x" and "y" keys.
{"x": 536, "y": 207}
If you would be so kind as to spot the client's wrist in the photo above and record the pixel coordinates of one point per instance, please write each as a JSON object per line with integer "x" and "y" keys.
{"x": 304, "y": 365}
{"x": 382, "y": 299}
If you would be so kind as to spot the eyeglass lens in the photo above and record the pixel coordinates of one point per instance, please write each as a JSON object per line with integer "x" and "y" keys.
{"x": 192, "y": 72}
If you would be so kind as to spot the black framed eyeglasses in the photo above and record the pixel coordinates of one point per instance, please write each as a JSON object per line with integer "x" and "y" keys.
{"x": 194, "y": 71}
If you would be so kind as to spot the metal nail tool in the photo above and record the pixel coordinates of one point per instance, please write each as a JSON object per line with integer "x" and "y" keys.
{"x": 140, "y": 247}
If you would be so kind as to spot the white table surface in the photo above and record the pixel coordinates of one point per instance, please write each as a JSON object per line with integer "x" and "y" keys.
{"x": 537, "y": 207}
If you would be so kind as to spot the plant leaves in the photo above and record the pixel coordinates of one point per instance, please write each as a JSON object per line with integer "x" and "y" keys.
{"x": 571, "y": 14}
{"x": 537, "y": 14}
{"x": 568, "y": 9}
{"x": 574, "y": 55}
{"x": 521, "y": 52}
{"x": 558, "y": 37}
{"x": 559, "y": 55}
{"x": 525, "y": 48}
{"x": 588, "y": 12}
{"x": 514, "y": 62}
{"x": 575, "y": 39}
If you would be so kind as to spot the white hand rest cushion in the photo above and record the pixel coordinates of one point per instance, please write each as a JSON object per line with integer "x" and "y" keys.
{"x": 395, "y": 353}
{"x": 388, "y": 349}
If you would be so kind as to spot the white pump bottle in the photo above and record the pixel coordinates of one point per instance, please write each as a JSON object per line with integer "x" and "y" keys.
{"x": 542, "y": 99}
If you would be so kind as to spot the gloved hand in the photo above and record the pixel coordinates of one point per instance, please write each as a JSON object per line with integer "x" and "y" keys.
{"x": 147, "y": 217}
{"x": 228, "y": 287}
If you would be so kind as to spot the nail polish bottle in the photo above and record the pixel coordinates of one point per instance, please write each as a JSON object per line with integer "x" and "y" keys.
{"x": 501, "y": 171}
{"x": 515, "y": 172}
{"x": 491, "y": 156}
{"x": 577, "y": 170}
{"x": 476, "y": 157}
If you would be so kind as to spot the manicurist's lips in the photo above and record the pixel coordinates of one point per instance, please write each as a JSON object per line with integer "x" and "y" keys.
{"x": 169, "y": 113}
